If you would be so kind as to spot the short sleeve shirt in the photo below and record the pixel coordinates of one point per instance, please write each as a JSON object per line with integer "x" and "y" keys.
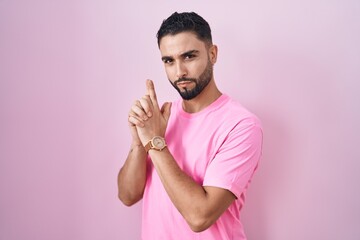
{"x": 219, "y": 146}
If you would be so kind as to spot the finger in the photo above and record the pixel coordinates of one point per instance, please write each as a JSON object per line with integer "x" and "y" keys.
{"x": 166, "y": 110}
{"x": 151, "y": 92}
{"x": 138, "y": 111}
{"x": 146, "y": 104}
{"x": 134, "y": 121}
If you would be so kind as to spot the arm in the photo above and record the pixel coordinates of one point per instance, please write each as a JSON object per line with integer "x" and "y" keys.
{"x": 132, "y": 176}
{"x": 200, "y": 206}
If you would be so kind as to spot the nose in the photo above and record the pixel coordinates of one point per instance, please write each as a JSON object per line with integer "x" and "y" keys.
{"x": 180, "y": 70}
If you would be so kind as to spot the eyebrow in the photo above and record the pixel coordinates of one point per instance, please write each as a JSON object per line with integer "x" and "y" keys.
{"x": 189, "y": 53}
{"x": 182, "y": 55}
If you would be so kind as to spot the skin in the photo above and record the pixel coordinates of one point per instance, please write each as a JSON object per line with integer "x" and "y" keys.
{"x": 184, "y": 55}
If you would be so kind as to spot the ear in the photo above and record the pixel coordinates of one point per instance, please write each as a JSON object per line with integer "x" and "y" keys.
{"x": 213, "y": 52}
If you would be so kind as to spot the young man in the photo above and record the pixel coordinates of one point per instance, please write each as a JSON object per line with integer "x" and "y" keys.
{"x": 192, "y": 160}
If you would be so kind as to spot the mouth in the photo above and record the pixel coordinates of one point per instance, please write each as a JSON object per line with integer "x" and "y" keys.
{"x": 184, "y": 84}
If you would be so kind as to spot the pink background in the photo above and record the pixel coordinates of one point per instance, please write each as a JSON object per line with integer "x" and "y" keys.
{"x": 70, "y": 70}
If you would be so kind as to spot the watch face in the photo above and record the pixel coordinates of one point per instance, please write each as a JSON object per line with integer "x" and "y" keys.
{"x": 158, "y": 142}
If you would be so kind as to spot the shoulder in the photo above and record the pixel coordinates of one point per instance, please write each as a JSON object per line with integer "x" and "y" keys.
{"x": 234, "y": 114}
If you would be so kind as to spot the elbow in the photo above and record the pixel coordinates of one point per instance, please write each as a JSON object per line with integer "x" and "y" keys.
{"x": 199, "y": 224}
{"x": 198, "y": 228}
{"x": 128, "y": 200}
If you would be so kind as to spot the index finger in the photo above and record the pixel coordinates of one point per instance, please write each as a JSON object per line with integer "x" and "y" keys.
{"x": 150, "y": 89}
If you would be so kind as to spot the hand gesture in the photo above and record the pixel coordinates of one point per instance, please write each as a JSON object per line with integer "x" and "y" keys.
{"x": 147, "y": 117}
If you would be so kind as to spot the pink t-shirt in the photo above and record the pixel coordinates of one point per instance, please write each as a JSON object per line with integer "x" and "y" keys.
{"x": 219, "y": 146}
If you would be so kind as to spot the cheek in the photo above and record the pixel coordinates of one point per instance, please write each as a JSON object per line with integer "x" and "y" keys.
{"x": 197, "y": 69}
{"x": 170, "y": 73}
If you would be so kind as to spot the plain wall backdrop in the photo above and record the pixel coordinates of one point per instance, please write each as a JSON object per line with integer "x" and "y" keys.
{"x": 70, "y": 70}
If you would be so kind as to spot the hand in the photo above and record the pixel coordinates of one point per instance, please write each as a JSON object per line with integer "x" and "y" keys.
{"x": 155, "y": 125}
{"x": 139, "y": 112}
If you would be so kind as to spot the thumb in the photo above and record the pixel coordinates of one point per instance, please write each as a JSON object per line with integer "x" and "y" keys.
{"x": 166, "y": 110}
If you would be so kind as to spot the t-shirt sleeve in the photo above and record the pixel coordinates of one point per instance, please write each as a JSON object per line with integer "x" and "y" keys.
{"x": 236, "y": 159}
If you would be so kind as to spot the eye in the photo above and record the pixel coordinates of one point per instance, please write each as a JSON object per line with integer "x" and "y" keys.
{"x": 189, "y": 56}
{"x": 167, "y": 61}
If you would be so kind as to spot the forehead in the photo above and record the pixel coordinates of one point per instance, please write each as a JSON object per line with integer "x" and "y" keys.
{"x": 173, "y": 45}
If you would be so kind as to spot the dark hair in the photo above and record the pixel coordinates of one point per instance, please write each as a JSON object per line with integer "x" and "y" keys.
{"x": 185, "y": 22}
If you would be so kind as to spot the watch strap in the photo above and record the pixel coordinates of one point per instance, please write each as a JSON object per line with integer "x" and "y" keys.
{"x": 148, "y": 146}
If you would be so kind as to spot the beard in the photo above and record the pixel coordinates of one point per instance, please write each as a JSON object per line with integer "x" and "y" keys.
{"x": 200, "y": 83}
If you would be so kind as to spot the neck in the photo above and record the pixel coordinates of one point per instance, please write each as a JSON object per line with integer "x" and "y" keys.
{"x": 204, "y": 99}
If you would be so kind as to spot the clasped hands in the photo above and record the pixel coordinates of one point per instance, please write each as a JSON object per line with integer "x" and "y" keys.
{"x": 146, "y": 118}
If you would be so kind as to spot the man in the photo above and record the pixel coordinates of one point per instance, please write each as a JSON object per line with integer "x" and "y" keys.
{"x": 192, "y": 160}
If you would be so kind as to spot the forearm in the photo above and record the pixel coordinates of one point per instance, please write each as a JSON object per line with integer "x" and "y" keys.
{"x": 132, "y": 176}
{"x": 191, "y": 199}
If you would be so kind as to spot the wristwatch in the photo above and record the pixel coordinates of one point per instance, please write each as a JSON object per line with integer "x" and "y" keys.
{"x": 157, "y": 143}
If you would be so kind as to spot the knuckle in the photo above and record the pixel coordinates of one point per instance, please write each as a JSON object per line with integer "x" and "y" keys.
{"x": 143, "y": 101}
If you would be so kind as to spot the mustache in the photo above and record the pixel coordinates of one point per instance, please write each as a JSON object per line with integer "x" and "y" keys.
{"x": 185, "y": 80}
